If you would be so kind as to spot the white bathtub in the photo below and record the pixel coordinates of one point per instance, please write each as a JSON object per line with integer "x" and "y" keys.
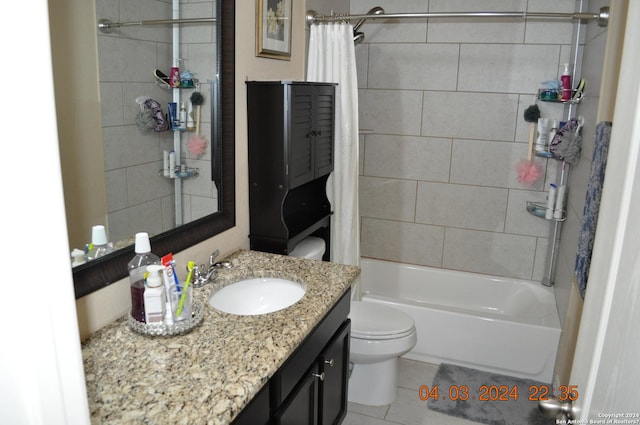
{"x": 500, "y": 325}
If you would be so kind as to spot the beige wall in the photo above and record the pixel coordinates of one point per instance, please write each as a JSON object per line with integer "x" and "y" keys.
{"x": 78, "y": 113}
{"x": 103, "y": 306}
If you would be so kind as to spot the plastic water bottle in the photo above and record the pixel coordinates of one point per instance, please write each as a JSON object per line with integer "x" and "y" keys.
{"x": 100, "y": 243}
{"x": 137, "y": 268}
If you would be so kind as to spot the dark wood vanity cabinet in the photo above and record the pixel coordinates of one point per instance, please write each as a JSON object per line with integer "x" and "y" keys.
{"x": 311, "y": 386}
{"x": 291, "y": 154}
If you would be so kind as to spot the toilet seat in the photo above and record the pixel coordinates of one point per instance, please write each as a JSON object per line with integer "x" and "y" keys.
{"x": 379, "y": 322}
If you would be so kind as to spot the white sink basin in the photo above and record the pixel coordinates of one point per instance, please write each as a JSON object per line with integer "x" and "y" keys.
{"x": 257, "y": 296}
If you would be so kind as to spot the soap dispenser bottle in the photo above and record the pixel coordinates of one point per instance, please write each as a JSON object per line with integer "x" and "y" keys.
{"x": 137, "y": 268}
{"x": 565, "y": 80}
{"x": 154, "y": 298}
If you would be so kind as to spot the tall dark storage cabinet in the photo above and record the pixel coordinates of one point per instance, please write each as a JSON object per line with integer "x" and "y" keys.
{"x": 291, "y": 153}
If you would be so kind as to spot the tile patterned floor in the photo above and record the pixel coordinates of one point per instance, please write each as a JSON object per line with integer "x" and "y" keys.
{"x": 407, "y": 409}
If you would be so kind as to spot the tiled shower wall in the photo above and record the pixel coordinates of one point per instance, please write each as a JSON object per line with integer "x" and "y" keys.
{"x": 442, "y": 129}
{"x": 138, "y": 199}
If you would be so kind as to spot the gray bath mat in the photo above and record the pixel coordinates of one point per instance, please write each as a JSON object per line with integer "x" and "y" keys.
{"x": 488, "y": 400}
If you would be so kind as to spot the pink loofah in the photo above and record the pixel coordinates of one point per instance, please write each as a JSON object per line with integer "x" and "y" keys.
{"x": 528, "y": 172}
{"x": 197, "y": 145}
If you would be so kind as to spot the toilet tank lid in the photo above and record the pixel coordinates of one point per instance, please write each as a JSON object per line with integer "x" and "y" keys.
{"x": 309, "y": 248}
{"x": 377, "y": 319}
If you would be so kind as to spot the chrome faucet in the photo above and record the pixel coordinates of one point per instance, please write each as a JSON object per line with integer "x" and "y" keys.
{"x": 203, "y": 274}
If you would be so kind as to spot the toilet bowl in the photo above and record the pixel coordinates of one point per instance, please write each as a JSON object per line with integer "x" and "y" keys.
{"x": 311, "y": 248}
{"x": 379, "y": 335}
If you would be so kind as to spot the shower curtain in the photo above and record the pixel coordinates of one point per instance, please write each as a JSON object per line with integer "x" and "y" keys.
{"x": 332, "y": 59}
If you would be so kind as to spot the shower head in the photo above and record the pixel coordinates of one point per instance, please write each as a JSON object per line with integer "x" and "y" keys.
{"x": 358, "y": 37}
{"x": 374, "y": 11}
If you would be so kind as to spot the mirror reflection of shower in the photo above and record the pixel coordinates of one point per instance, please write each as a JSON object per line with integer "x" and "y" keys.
{"x": 358, "y": 36}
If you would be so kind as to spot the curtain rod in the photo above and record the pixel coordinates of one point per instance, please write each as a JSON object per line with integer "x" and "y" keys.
{"x": 602, "y": 17}
{"x": 106, "y": 26}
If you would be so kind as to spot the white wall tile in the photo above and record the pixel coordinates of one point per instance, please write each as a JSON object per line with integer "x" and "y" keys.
{"x": 540, "y": 263}
{"x": 549, "y": 32}
{"x": 136, "y": 65}
{"x": 144, "y": 184}
{"x": 413, "y": 66}
{"x": 470, "y": 207}
{"x": 519, "y": 221}
{"x": 387, "y": 198}
{"x": 388, "y": 31}
{"x": 537, "y": 62}
{"x": 126, "y": 146}
{"x": 485, "y": 163}
{"x": 362, "y": 64}
{"x": 487, "y": 116}
{"x": 197, "y": 33}
{"x": 362, "y": 153}
{"x": 476, "y": 30}
{"x": 489, "y": 252}
{"x": 116, "y": 184}
{"x": 139, "y": 218}
{"x": 391, "y": 111}
{"x": 407, "y": 157}
{"x": 476, "y": 107}
{"x": 111, "y": 101}
{"x": 404, "y": 242}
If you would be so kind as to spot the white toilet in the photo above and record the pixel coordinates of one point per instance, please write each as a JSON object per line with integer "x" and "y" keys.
{"x": 379, "y": 335}
{"x": 311, "y": 248}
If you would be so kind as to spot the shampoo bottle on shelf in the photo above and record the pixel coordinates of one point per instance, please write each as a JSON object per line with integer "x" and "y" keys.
{"x": 558, "y": 208}
{"x": 565, "y": 80}
{"x": 551, "y": 201}
{"x": 137, "y": 268}
{"x": 154, "y": 297}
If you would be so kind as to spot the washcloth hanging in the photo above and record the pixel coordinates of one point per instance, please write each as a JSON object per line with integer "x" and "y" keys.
{"x": 566, "y": 144}
{"x": 592, "y": 205}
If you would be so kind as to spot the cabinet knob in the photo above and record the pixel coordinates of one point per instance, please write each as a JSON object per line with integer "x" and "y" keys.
{"x": 321, "y": 376}
{"x": 329, "y": 362}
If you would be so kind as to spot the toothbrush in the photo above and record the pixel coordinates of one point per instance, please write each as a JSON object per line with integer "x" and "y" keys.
{"x": 183, "y": 297}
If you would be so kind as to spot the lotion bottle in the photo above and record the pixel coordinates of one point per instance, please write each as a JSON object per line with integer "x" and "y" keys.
{"x": 154, "y": 297}
{"x": 137, "y": 268}
{"x": 565, "y": 80}
{"x": 551, "y": 201}
{"x": 182, "y": 117}
{"x": 558, "y": 208}
{"x": 542, "y": 142}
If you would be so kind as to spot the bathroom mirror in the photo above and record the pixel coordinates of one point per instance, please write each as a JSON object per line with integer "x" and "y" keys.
{"x": 103, "y": 271}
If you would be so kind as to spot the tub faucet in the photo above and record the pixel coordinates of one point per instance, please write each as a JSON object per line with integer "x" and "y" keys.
{"x": 203, "y": 274}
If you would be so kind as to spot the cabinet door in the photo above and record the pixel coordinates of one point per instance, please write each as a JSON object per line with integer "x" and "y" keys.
{"x": 334, "y": 362}
{"x": 301, "y": 407}
{"x": 301, "y": 134}
{"x": 257, "y": 412}
{"x": 323, "y": 126}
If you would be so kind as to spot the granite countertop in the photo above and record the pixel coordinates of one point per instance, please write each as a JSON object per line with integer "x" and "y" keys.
{"x": 211, "y": 373}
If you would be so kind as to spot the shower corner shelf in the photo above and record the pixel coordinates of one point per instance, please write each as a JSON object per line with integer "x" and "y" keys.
{"x": 538, "y": 209}
{"x": 188, "y": 173}
{"x": 553, "y": 95}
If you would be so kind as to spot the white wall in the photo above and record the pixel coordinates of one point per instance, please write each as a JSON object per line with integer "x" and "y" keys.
{"x": 40, "y": 361}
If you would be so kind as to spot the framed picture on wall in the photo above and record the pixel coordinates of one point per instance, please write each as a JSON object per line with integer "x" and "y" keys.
{"x": 274, "y": 29}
